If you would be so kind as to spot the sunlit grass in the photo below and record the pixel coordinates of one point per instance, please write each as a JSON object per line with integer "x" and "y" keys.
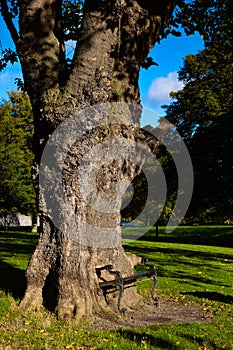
{"x": 191, "y": 273}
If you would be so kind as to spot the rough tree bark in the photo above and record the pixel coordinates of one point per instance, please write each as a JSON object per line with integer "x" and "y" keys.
{"x": 115, "y": 39}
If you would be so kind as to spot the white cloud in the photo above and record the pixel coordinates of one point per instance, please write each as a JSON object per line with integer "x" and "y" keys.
{"x": 161, "y": 87}
{"x": 7, "y": 79}
{"x": 6, "y": 83}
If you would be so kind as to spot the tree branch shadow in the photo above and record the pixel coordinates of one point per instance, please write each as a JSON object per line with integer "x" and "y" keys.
{"x": 12, "y": 280}
{"x": 215, "y": 296}
{"x": 144, "y": 338}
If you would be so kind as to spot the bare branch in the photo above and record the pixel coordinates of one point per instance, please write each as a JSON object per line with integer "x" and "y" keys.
{"x": 9, "y": 23}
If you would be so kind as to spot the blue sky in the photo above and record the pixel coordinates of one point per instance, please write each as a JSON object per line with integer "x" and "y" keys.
{"x": 155, "y": 83}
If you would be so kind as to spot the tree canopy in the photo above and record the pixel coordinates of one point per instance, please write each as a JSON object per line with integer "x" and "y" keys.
{"x": 16, "y": 132}
{"x": 202, "y": 113}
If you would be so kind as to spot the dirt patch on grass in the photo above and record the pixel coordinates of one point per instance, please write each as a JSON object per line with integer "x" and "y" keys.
{"x": 148, "y": 314}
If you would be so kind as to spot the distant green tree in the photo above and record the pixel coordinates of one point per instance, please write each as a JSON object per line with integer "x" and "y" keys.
{"x": 202, "y": 113}
{"x": 16, "y": 190}
{"x": 151, "y": 197}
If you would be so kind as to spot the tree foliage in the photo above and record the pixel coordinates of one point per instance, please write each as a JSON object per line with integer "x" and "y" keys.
{"x": 16, "y": 191}
{"x": 202, "y": 113}
{"x": 149, "y": 195}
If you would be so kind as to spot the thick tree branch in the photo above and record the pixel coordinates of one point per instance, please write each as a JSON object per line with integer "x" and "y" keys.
{"x": 140, "y": 26}
{"x": 91, "y": 75}
{"x": 114, "y": 42}
{"x": 9, "y": 23}
{"x": 42, "y": 61}
{"x": 39, "y": 48}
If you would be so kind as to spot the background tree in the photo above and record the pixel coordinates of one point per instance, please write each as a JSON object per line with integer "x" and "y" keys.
{"x": 152, "y": 199}
{"x": 16, "y": 132}
{"x": 202, "y": 113}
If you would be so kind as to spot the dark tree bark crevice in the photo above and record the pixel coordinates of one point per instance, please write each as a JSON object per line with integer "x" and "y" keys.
{"x": 50, "y": 291}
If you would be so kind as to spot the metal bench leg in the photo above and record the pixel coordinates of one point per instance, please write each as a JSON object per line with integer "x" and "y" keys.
{"x": 153, "y": 292}
{"x": 120, "y": 286}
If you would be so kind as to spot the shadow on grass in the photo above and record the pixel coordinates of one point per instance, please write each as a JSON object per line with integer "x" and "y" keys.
{"x": 221, "y": 236}
{"x": 18, "y": 235}
{"x": 215, "y": 296}
{"x": 144, "y": 251}
{"x": 143, "y": 339}
{"x": 12, "y": 280}
{"x": 13, "y": 244}
{"x": 184, "y": 257}
{"x": 17, "y": 242}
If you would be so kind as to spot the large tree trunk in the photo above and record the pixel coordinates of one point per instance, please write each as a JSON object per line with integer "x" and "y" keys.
{"x": 62, "y": 276}
{"x": 115, "y": 39}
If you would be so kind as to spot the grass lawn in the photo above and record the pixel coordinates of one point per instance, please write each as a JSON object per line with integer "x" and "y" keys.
{"x": 195, "y": 265}
{"x": 221, "y": 236}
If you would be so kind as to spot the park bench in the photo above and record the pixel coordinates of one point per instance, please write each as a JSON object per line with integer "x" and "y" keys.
{"x": 119, "y": 282}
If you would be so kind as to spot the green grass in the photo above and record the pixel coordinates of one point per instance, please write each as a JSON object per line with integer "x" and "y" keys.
{"x": 15, "y": 251}
{"x": 193, "y": 273}
{"x": 221, "y": 236}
